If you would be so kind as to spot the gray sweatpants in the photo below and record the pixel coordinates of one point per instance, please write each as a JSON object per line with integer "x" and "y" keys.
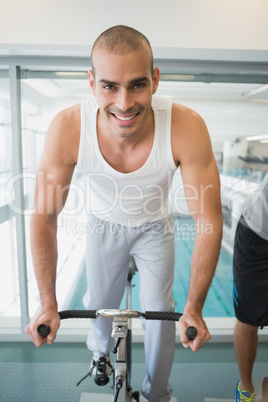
{"x": 107, "y": 257}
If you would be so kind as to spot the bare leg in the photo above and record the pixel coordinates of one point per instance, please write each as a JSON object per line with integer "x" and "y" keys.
{"x": 265, "y": 389}
{"x": 245, "y": 343}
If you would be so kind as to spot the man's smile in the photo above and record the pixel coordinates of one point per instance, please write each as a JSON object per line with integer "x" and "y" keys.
{"x": 125, "y": 119}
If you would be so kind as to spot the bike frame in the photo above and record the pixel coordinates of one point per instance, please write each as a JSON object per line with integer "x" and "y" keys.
{"x": 121, "y": 333}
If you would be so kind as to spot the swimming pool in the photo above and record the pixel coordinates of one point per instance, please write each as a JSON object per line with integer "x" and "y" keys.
{"x": 219, "y": 302}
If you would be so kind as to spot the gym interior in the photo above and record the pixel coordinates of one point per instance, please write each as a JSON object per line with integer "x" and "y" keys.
{"x": 213, "y": 57}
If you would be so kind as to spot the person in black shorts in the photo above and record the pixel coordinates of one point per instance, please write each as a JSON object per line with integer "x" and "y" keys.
{"x": 250, "y": 269}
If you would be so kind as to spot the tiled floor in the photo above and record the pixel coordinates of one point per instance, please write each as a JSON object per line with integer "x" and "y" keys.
{"x": 50, "y": 373}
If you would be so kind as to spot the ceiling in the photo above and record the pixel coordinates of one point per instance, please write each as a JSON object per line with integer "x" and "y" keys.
{"x": 231, "y": 109}
{"x": 235, "y": 92}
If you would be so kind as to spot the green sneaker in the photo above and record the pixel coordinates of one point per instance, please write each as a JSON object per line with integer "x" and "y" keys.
{"x": 242, "y": 395}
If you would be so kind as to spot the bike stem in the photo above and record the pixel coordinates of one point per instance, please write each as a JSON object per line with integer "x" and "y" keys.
{"x": 119, "y": 332}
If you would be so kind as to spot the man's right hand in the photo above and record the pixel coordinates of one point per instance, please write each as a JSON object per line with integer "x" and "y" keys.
{"x": 51, "y": 319}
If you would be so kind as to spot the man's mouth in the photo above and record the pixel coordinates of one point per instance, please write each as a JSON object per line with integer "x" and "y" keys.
{"x": 125, "y": 118}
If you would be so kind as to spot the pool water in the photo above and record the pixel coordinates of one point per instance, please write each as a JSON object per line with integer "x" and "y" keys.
{"x": 219, "y": 302}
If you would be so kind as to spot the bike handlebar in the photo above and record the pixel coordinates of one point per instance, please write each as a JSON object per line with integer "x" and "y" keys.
{"x": 191, "y": 332}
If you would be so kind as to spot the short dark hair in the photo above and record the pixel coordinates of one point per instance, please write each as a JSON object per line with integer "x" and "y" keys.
{"x": 121, "y": 39}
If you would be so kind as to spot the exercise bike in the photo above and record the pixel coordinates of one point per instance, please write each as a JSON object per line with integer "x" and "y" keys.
{"x": 122, "y": 334}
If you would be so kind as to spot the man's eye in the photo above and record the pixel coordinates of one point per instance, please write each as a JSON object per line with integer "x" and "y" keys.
{"x": 138, "y": 86}
{"x": 109, "y": 87}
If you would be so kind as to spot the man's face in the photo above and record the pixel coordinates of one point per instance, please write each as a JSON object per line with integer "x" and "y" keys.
{"x": 124, "y": 85}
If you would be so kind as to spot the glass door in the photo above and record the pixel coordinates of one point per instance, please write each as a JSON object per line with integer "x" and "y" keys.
{"x": 9, "y": 285}
{"x": 43, "y": 95}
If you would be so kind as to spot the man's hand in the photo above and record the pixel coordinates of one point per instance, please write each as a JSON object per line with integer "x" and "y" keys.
{"x": 203, "y": 334}
{"x": 50, "y": 318}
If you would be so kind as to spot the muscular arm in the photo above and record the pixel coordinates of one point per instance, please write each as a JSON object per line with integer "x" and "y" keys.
{"x": 202, "y": 191}
{"x": 54, "y": 175}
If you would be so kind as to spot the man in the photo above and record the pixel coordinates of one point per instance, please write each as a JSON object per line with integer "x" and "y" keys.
{"x": 250, "y": 266}
{"x": 129, "y": 144}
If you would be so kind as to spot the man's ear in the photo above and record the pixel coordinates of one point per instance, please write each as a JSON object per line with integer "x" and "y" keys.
{"x": 156, "y": 78}
{"x": 91, "y": 81}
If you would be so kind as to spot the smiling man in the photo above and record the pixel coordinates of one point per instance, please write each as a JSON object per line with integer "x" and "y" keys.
{"x": 129, "y": 143}
{"x": 124, "y": 84}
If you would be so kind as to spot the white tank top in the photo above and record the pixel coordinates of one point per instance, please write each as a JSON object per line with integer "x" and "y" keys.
{"x": 255, "y": 210}
{"x": 129, "y": 199}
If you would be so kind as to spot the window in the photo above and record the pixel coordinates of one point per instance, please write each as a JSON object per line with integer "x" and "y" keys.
{"x": 9, "y": 285}
{"x": 44, "y": 94}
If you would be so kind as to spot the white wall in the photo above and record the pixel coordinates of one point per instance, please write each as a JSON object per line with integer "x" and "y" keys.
{"x": 227, "y": 120}
{"x": 182, "y": 24}
{"x": 232, "y": 150}
{"x": 190, "y": 29}
{"x": 257, "y": 148}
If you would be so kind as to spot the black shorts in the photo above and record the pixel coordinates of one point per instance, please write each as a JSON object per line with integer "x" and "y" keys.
{"x": 250, "y": 268}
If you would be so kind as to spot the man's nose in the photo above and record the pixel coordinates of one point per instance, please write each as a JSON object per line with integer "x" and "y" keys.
{"x": 124, "y": 100}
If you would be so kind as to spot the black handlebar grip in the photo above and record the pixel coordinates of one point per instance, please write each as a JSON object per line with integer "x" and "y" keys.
{"x": 77, "y": 314}
{"x": 43, "y": 330}
{"x": 191, "y": 333}
{"x": 161, "y": 315}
